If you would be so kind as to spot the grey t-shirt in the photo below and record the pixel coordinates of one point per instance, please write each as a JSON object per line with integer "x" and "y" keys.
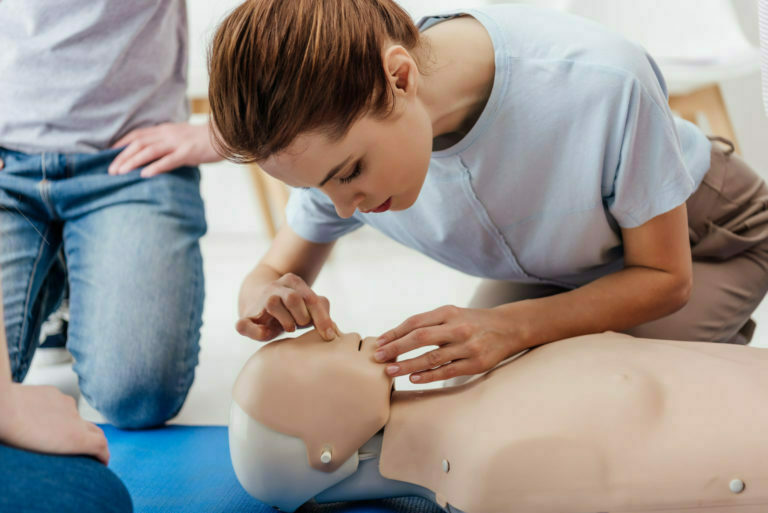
{"x": 76, "y": 75}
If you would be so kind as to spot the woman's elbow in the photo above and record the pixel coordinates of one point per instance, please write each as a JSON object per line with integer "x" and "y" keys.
{"x": 680, "y": 292}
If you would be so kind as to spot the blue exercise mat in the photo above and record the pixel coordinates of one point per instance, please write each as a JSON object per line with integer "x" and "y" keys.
{"x": 186, "y": 469}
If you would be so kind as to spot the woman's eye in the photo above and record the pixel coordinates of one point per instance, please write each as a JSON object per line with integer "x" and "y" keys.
{"x": 355, "y": 173}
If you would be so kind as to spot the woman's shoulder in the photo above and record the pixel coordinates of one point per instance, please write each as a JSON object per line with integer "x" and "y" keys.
{"x": 539, "y": 36}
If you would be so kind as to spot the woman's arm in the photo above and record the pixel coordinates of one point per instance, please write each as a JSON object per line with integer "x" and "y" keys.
{"x": 655, "y": 282}
{"x": 42, "y": 419}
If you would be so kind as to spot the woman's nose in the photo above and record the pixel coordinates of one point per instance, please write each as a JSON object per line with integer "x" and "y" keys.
{"x": 345, "y": 207}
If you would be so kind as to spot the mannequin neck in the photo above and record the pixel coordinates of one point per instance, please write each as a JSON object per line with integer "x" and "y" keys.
{"x": 368, "y": 483}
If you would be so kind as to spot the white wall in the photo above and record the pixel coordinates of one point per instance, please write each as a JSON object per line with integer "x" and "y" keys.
{"x": 743, "y": 96}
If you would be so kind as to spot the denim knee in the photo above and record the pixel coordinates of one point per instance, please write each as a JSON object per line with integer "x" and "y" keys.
{"x": 136, "y": 400}
{"x": 33, "y": 482}
{"x": 137, "y": 405}
{"x": 105, "y": 494}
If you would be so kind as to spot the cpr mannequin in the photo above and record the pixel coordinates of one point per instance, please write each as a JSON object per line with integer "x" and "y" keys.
{"x": 599, "y": 423}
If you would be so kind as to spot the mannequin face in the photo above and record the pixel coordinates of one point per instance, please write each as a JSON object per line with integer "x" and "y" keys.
{"x": 309, "y": 357}
{"x": 332, "y": 395}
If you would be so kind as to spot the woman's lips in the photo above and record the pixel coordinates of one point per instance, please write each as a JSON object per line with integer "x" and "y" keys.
{"x": 381, "y": 208}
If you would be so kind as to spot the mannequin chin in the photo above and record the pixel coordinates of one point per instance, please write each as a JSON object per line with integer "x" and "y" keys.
{"x": 602, "y": 422}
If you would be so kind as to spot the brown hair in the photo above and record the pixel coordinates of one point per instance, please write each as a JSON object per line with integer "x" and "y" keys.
{"x": 280, "y": 68}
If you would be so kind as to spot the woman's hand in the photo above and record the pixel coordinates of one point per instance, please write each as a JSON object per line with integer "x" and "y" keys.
{"x": 471, "y": 341}
{"x": 167, "y": 146}
{"x": 285, "y": 305}
{"x": 42, "y": 419}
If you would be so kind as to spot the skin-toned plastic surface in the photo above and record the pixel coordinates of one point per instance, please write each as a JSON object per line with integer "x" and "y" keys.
{"x": 599, "y": 423}
{"x": 274, "y": 467}
{"x": 332, "y": 395}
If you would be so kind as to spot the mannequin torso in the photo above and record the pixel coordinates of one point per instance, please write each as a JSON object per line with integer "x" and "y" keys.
{"x": 597, "y": 423}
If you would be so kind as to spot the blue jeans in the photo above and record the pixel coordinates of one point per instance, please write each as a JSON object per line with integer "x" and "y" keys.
{"x": 38, "y": 483}
{"x": 135, "y": 274}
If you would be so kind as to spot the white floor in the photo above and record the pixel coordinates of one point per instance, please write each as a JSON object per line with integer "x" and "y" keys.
{"x": 373, "y": 285}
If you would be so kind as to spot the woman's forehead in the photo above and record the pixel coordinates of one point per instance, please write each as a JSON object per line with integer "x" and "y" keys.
{"x": 307, "y": 160}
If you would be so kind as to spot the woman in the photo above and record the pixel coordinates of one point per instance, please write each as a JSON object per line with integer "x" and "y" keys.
{"x": 522, "y": 145}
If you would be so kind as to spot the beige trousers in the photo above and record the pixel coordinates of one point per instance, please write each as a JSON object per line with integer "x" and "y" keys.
{"x": 728, "y": 228}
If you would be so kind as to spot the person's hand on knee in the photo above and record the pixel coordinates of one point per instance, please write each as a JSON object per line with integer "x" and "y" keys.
{"x": 42, "y": 419}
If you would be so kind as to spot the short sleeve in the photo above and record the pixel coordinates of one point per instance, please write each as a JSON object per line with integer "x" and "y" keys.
{"x": 311, "y": 214}
{"x": 651, "y": 177}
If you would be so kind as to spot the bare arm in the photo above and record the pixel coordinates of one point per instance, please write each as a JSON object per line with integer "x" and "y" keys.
{"x": 655, "y": 282}
{"x": 276, "y": 295}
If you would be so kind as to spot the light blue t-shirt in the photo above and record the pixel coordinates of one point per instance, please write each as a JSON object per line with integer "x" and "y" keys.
{"x": 576, "y": 141}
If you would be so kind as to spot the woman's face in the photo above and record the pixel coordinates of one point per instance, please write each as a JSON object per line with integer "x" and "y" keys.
{"x": 379, "y": 165}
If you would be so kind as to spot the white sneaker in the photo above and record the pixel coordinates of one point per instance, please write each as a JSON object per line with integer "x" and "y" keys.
{"x": 53, "y": 338}
{"x": 52, "y": 363}
{"x": 47, "y": 356}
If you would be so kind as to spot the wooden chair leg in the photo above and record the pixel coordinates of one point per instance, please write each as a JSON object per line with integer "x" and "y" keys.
{"x": 279, "y": 192}
{"x": 262, "y": 195}
{"x": 708, "y": 101}
{"x": 680, "y": 105}
{"x": 269, "y": 191}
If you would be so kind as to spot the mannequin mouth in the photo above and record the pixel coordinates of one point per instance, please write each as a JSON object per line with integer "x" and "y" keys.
{"x": 381, "y": 208}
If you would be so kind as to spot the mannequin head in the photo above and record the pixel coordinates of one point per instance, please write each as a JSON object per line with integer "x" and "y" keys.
{"x": 302, "y": 409}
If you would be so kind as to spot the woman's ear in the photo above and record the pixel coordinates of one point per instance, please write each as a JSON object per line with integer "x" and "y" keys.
{"x": 401, "y": 70}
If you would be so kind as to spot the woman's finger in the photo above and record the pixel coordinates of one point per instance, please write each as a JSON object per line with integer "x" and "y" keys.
{"x": 258, "y": 331}
{"x": 293, "y": 291}
{"x": 429, "y": 360}
{"x": 306, "y": 306}
{"x": 447, "y": 371}
{"x": 320, "y": 310}
{"x": 414, "y": 322}
{"x": 277, "y": 309}
{"x": 293, "y": 301}
{"x": 419, "y": 337}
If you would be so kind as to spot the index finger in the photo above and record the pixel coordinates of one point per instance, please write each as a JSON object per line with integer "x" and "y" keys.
{"x": 414, "y": 322}
{"x": 320, "y": 312}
